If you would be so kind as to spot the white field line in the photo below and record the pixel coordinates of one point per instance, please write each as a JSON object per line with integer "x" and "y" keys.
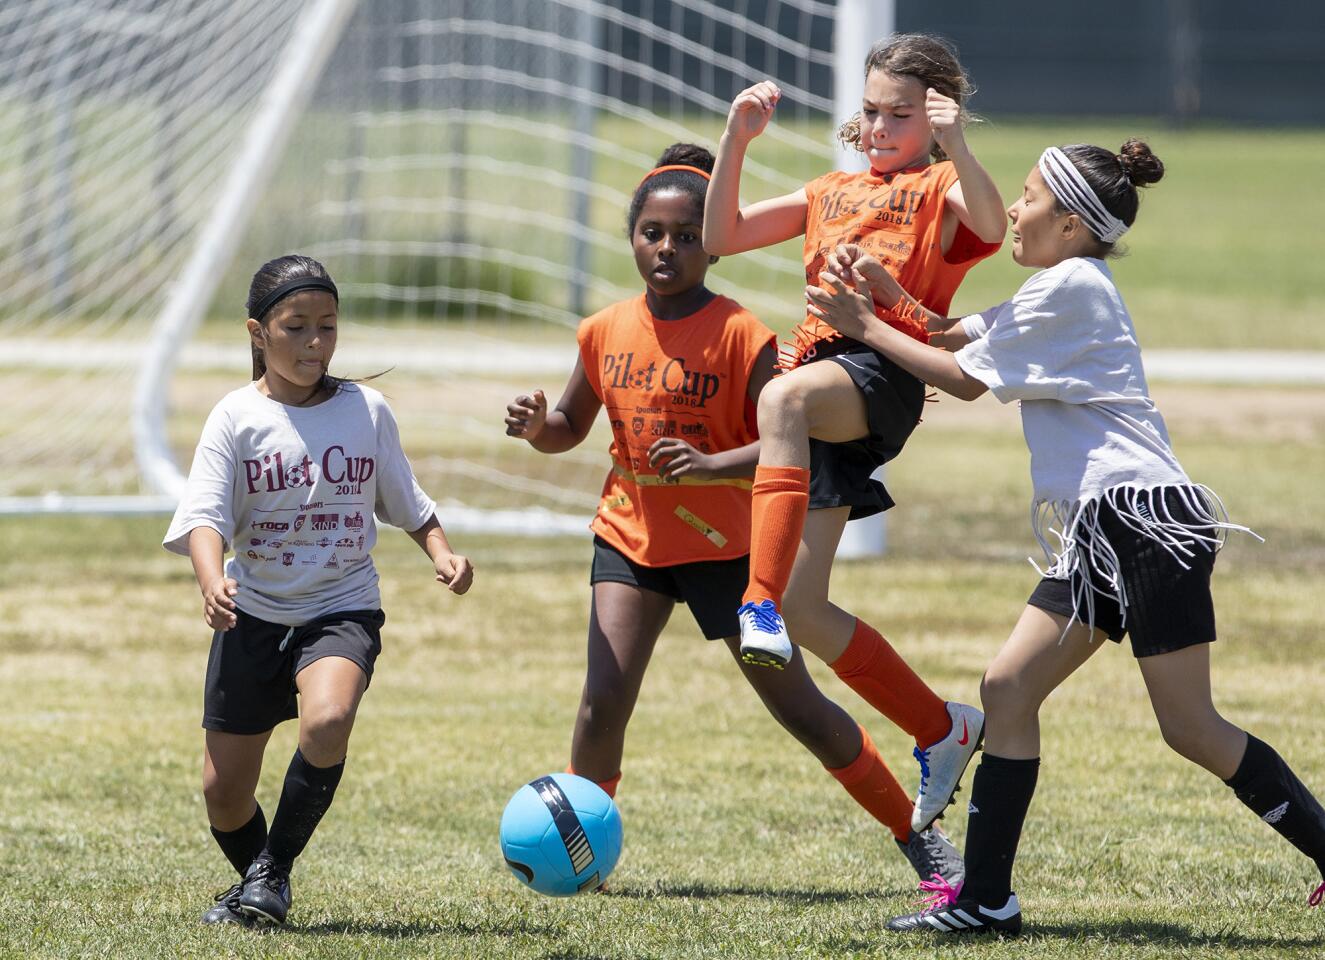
{"x": 413, "y": 357}
{"x": 1268, "y": 367}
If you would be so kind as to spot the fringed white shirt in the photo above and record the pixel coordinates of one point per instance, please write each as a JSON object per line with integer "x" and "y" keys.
{"x": 1065, "y": 347}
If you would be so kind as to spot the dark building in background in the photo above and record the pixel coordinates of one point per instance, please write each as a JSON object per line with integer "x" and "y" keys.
{"x": 1225, "y": 60}
{"x": 1260, "y": 62}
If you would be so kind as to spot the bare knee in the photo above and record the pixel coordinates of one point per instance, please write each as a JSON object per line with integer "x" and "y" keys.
{"x": 819, "y": 725}
{"x": 801, "y": 613}
{"x": 1005, "y": 693}
{"x": 1189, "y": 735}
{"x": 782, "y": 400}
{"x": 324, "y": 732}
{"x": 229, "y": 801}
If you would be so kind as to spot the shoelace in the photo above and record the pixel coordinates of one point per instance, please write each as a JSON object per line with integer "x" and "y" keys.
{"x": 922, "y": 756}
{"x": 941, "y": 893}
{"x": 1315, "y": 899}
{"x": 269, "y": 876}
{"x": 231, "y": 896}
{"x": 765, "y": 616}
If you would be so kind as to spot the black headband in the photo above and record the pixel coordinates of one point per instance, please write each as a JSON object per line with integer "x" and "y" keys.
{"x": 292, "y": 286}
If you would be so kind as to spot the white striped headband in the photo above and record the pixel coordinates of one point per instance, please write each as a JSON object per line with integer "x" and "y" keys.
{"x": 1073, "y": 192}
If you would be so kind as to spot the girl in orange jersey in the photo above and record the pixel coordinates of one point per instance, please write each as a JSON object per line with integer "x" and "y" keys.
{"x": 928, "y": 211}
{"x": 679, "y": 369}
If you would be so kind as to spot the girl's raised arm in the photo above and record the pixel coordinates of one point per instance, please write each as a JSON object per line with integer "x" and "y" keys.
{"x": 974, "y": 197}
{"x": 727, "y": 228}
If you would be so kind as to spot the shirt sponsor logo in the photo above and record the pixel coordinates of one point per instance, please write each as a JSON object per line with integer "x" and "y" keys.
{"x": 287, "y": 559}
{"x": 326, "y": 521}
{"x": 275, "y": 526}
{"x": 354, "y": 521}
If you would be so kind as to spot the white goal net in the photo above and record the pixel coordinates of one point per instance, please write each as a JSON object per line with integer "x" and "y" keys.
{"x": 462, "y": 167}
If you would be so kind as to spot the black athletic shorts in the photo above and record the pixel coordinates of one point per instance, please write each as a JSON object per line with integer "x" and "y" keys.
{"x": 712, "y": 589}
{"x": 250, "y": 673}
{"x": 840, "y": 473}
{"x": 1168, "y": 607}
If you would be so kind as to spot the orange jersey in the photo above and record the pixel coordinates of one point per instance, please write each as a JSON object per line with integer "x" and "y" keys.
{"x": 684, "y": 378}
{"x": 898, "y": 219}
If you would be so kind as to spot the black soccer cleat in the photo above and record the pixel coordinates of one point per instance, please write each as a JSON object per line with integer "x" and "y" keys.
{"x": 266, "y": 895}
{"x": 932, "y": 854}
{"x": 227, "y": 909}
{"x": 952, "y": 913}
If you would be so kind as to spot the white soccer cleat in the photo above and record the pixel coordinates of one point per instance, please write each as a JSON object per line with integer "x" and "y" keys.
{"x": 942, "y": 765}
{"x": 764, "y": 639}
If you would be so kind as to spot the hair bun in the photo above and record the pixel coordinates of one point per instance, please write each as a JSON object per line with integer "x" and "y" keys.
{"x": 686, "y": 154}
{"x": 1140, "y": 166}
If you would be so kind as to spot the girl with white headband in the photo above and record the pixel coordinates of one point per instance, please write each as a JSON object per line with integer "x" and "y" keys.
{"x": 1130, "y": 540}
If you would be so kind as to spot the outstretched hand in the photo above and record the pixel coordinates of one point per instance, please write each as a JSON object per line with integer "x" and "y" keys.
{"x": 525, "y": 416}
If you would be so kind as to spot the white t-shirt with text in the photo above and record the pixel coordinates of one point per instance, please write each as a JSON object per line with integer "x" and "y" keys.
{"x": 295, "y": 490}
{"x": 1066, "y": 348}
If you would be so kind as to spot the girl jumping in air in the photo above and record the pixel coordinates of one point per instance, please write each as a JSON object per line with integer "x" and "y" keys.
{"x": 289, "y": 472}
{"x": 1135, "y": 538}
{"x": 928, "y": 211}
{"x": 679, "y": 369}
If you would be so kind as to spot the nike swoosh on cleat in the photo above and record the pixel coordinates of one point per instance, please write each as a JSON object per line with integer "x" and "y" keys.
{"x": 965, "y": 735}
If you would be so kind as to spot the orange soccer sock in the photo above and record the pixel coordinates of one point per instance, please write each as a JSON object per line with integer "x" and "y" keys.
{"x": 871, "y": 667}
{"x": 608, "y": 786}
{"x": 777, "y": 516}
{"x": 873, "y": 786}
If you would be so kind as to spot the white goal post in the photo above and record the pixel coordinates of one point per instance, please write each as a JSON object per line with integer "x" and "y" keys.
{"x": 463, "y": 169}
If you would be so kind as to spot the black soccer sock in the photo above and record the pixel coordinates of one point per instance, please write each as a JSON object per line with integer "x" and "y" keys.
{"x": 1000, "y": 796}
{"x": 307, "y": 794}
{"x": 1274, "y": 793}
{"x": 242, "y": 846}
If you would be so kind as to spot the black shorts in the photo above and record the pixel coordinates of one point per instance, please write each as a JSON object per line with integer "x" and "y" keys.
{"x": 1169, "y": 607}
{"x": 712, "y": 589}
{"x": 250, "y": 678}
{"x": 841, "y": 473}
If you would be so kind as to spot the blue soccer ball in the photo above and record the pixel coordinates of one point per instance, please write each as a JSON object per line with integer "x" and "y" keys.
{"x": 561, "y": 835}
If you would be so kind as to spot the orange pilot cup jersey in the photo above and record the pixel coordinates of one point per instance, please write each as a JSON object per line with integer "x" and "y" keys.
{"x": 897, "y": 218}
{"x": 687, "y": 379}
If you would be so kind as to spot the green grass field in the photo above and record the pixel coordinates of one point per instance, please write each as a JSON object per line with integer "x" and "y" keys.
{"x": 737, "y": 844}
{"x": 1225, "y": 247}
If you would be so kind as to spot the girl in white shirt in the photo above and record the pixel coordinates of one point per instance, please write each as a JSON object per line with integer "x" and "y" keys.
{"x": 1130, "y": 540}
{"x": 291, "y": 470}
